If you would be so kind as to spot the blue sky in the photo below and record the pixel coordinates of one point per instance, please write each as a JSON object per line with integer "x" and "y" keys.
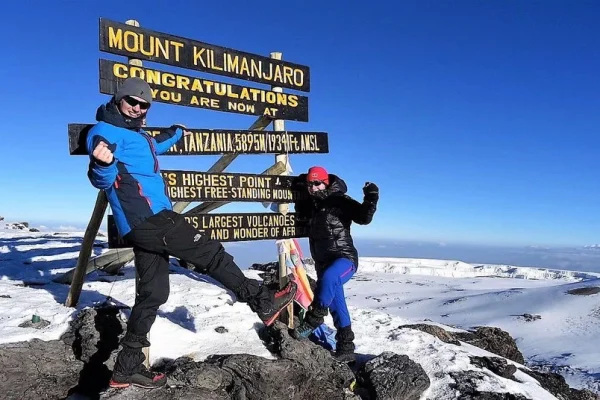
{"x": 479, "y": 120}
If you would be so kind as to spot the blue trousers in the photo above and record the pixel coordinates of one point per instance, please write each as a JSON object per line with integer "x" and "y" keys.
{"x": 330, "y": 290}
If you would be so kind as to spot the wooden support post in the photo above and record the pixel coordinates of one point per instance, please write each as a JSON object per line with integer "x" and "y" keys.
{"x": 279, "y": 126}
{"x": 86, "y": 249}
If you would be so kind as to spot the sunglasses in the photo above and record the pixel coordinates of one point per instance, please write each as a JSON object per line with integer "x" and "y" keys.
{"x": 316, "y": 183}
{"x": 133, "y": 102}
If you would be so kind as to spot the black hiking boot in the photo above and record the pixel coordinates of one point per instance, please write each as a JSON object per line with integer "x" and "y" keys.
{"x": 344, "y": 348}
{"x": 269, "y": 303}
{"x": 142, "y": 378}
{"x": 345, "y": 357}
{"x": 312, "y": 320}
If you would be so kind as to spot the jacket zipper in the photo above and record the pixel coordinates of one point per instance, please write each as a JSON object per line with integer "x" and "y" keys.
{"x": 153, "y": 151}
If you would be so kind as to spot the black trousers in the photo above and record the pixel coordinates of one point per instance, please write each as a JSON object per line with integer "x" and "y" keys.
{"x": 169, "y": 234}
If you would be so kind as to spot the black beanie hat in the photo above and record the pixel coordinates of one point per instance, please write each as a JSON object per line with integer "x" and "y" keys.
{"x": 134, "y": 86}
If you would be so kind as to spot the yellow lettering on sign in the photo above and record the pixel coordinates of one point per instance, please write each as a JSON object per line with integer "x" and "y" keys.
{"x": 270, "y": 111}
{"x": 171, "y": 80}
{"x": 221, "y": 221}
{"x": 241, "y": 107}
{"x": 256, "y": 69}
{"x": 187, "y": 193}
{"x": 251, "y": 233}
{"x": 215, "y": 192}
{"x": 202, "y": 179}
{"x": 250, "y": 193}
{"x": 221, "y": 234}
{"x": 171, "y": 178}
{"x": 255, "y": 181}
{"x": 193, "y": 221}
{"x": 147, "y": 45}
{"x": 282, "y": 194}
{"x": 289, "y": 231}
{"x": 197, "y": 56}
{"x": 293, "y": 101}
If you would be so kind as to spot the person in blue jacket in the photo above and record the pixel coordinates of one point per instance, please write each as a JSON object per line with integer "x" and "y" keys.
{"x": 124, "y": 163}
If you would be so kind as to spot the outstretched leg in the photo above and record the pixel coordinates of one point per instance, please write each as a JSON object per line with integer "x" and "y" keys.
{"x": 175, "y": 236}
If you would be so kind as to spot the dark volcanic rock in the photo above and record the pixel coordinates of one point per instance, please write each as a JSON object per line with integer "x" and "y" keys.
{"x": 304, "y": 372}
{"x": 434, "y": 330}
{"x": 94, "y": 339}
{"x": 497, "y": 365}
{"x": 585, "y": 291}
{"x": 37, "y": 370}
{"x": 556, "y": 384}
{"x": 466, "y": 382}
{"x": 79, "y": 365}
{"x": 530, "y": 317}
{"x": 494, "y": 340}
{"x": 391, "y": 376}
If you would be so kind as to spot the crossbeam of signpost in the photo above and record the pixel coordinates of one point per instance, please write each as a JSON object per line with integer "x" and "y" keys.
{"x": 114, "y": 259}
{"x": 224, "y": 161}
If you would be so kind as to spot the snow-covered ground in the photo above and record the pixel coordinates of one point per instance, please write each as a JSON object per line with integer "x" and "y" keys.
{"x": 465, "y": 296}
{"x": 383, "y": 295}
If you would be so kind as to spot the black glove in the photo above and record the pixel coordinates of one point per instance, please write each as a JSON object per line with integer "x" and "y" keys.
{"x": 371, "y": 192}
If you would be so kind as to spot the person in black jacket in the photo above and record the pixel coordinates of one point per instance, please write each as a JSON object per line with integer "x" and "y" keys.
{"x": 330, "y": 212}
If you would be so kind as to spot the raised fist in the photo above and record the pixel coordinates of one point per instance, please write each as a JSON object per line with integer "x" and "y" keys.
{"x": 371, "y": 191}
{"x": 102, "y": 153}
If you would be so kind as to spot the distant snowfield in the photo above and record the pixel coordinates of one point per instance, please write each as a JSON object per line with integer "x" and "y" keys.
{"x": 466, "y": 296}
{"x": 384, "y": 294}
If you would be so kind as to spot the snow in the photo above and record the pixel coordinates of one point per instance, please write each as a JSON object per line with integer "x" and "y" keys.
{"x": 385, "y": 294}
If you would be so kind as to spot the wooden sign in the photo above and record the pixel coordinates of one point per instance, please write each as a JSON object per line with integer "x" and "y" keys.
{"x": 145, "y": 44}
{"x": 194, "y": 186}
{"x": 222, "y": 141}
{"x": 233, "y": 227}
{"x": 189, "y": 91}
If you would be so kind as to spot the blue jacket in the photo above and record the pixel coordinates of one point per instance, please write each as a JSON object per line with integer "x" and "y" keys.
{"x": 133, "y": 183}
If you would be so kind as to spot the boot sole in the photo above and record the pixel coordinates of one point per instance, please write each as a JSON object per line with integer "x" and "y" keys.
{"x": 117, "y": 385}
{"x": 274, "y": 317}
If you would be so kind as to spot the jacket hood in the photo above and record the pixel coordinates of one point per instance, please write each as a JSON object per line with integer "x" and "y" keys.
{"x": 337, "y": 187}
{"x": 110, "y": 114}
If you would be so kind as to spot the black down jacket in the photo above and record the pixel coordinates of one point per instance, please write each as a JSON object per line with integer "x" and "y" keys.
{"x": 330, "y": 219}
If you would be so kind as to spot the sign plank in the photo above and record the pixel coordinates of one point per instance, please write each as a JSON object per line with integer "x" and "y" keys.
{"x": 231, "y": 227}
{"x": 189, "y": 91}
{"x": 200, "y": 186}
{"x": 223, "y": 141}
{"x": 145, "y": 44}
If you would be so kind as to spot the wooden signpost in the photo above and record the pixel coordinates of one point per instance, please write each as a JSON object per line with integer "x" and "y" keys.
{"x": 212, "y": 188}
